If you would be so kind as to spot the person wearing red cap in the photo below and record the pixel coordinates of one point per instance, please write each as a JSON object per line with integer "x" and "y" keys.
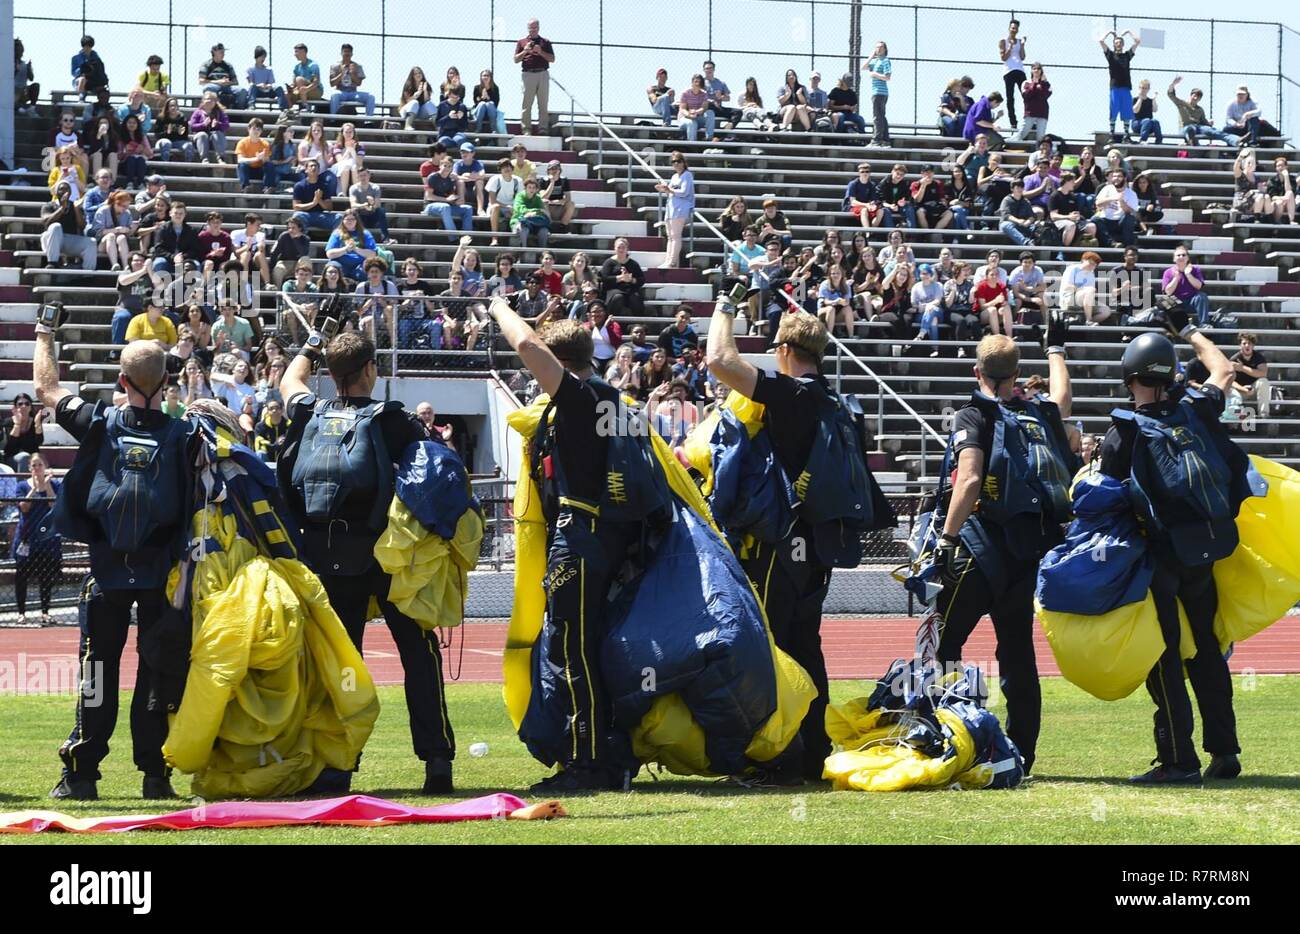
{"x": 661, "y": 97}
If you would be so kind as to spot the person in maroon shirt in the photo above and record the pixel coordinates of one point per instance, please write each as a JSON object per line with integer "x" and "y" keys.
{"x": 534, "y": 54}
{"x": 215, "y": 244}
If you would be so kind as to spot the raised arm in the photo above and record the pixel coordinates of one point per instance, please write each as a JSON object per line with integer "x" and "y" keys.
{"x": 722, "y": 357}
{"x": 536, "y": 356}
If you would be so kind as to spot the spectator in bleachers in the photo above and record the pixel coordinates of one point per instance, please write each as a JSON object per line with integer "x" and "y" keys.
{"x": 300, "y": 284}
{"x": 529, "y": 219}
{"x": 64, "y": 135}
{"x": 365, "y": 197}
{"x": 152, "y": 325}
{"x": 1027, "y": 286}
{"x": 623, "y": 374}
{"x": 62, "y": 223}
{"x": 835, "y": 299}
{"x": 751, "y": 106}
{"x": 470, "y": 171}
{"x": 502, "y": 189}
{"x": 1116, "y": 217}
{"x": 506, "y": 281}
{"x": 534, "y": 54}
{"x": 208, "y": 126}
{"x": 452, "y": 120}
{"x": 962, "y": 198}
{"x": 1281, "y": 189}
{"x": 1017, "y": 217}
{"x": 155, "y": 84}
{"x": 661, "y": 96}
{"x": 1130, "y": 287}
{"x": 1115, "y": 160}
{"x": 535, "y": 300}
{"x": 622, "y": 281}
{"x": 291, "y": 248}
{"x": 176, "y": 244}
{"x": 818, "y": 99}
{"x": 261, "y": 82}
{"x": 172, "y": 406}
{"x": 1243, "y": 118}
{"x": 37, "y": 548}
{"x": 735, "y": 217}
{"x": 862, "y": 199}
{"x": 896, "y": 250}
{"x": 931, "y": 202}
{"x": 927, "y": 300}
{"x": 880, "y": 70}
{"x": 1191, "y": 114}
{"x": 487, "y": 104}
{"x": 1011, "y": 50}
{"x": 173, "y": 132}
{"x": 306, "y": 84}
{"x": 135, "y": 285}
{"x": 217, "y": 76}
{"x": 1040, "y": 185}
{"x": 653, "y": 373}
{"x": 284, "y": 156}
{"x": 679, "y": 335}
{"x": 253, "y": 160}
{"x": 994, "y": 185}
{"x": 719, "y": 93}
{"x": 842, "y": 104}
{"x": 792, "y": 98}
{"x": 1185, "y": 282}
{"x": 953, "y": 105}
{"x": 350, "y": 245}
{"x": 466, "y": 261}
{"x": 606, "y": 335}
{"x": 552, "y": 281}
{"x": 990, "y": 301}
{"x": 347, "y": 155}
{"x": 1034, "y": 94}
{"x": 99, "y": 142}
{"x": 26, "y": 92}
{"x": 380, "y": 298}
{"x": 581, "y": 304}
{"x": 232, "y": 334}
{"x": 830, "y": 239}
{"x": 310, "y": 195}
{"x": 896, "y": 305}
{"x": 451, "y": 82}
{"x": 867, "y": 276}
{"x": 346, "y": 77}
{"x": 982, "y": 120}
{"x": 236, "y": 387}
{"x": 945, "y": 267}
{"x": 773, "y": 223}
{"x": 88, "y": 71}
{"x": 194, "y": 382}
{"x": 272, "y": 430}
{"x": 1078, "y": 290}
{"x": 640, "y": 344}
{"x": 557, "y": 192}
{"x": 694, "y": 113}
{"x": 1250, "y": 197}
{"x": 1118, "y": 62}
{"x": 678, "y": 209}
{"x": 250, "y": 247}
{"x": 215, "y": 244}
{"x": 417, "y": 98}
{"x": 524, "y": 168}
{"x": 741, "y": 256}
{"x": 959, "y": 302}
{"x": 1144, "y": 114}
{"x": 974, "y": 158}
{"x": 1250, "y": 374}
{"x": 896, "y": 197}
{"x": 1150, "y": 213}
{"x": 136, "y": 107}
{"x": 111, "y": 227}
{"x": 23, "y": 432}
{"x": 578, "y": 276}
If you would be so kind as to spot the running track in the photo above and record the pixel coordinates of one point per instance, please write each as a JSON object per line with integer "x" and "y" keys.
{"x": 855, "y": 648}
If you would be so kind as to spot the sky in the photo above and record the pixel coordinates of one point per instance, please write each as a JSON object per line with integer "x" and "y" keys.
{"x": 759, "y": 38}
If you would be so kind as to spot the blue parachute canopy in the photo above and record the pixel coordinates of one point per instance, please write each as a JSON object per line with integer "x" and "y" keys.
{"x": 431, "y": 482}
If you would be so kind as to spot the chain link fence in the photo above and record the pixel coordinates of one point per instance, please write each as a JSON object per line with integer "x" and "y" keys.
{"x": 613, "y": 49}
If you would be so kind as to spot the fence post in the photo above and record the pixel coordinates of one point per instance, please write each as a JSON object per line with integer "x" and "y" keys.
{"x": 600, "y": 57}
{"x": 185, "y": 58}
{"x": 383, "y": 63}
{"x": 171, "y": 27}
{"x": 916, "y": 61}
{"x": 270, "y": 39}
{"x": 1280, "y": 79}
{"x": 812, "y": 36}
{"x": 1212, "y": 98}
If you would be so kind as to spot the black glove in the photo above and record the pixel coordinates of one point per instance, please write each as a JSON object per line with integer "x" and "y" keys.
{"x": 1057, "y": 330}
{"x": 950, "y": 557}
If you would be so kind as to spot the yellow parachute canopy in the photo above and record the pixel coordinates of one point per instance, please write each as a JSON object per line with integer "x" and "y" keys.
{"x": 430, "y": 575}
{"x": 276, "y": 691}
{"x": 874, "y": 760}
{"x": 1110, "y": 655}
{"x": 667, "y": 734}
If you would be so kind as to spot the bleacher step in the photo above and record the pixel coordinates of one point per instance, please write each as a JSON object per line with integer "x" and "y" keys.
{"x": 542, "y": 144}
{"x": 9, "y": 275}
{"x": 18, "y": 312}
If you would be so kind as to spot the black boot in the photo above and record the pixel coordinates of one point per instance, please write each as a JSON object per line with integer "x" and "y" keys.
{"x": 1167, "y": 775}
{"x": 157, "y": 788}
{"x": 329, "y": 783}
{"x": 75, "y": 789}
{"x": 1223, "y": 768}
{"x": 581, "y": 779}
{"x": 437, "y": 777}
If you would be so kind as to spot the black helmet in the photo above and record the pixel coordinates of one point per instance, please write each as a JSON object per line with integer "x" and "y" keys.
{"x": 1152, "y": 356}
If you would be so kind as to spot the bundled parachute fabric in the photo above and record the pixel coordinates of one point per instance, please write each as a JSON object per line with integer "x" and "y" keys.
{"x": 430, "y": 569}
{"x": 1094, "y": 602}
{"x": 723, "y": 692}
{"x": 349, "y": 811}
{"x": 920, "y": 729}
{"x": 276, "y": 691}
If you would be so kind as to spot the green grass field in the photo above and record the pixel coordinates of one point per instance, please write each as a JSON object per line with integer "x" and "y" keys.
{"x": 1077, "y": 794}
